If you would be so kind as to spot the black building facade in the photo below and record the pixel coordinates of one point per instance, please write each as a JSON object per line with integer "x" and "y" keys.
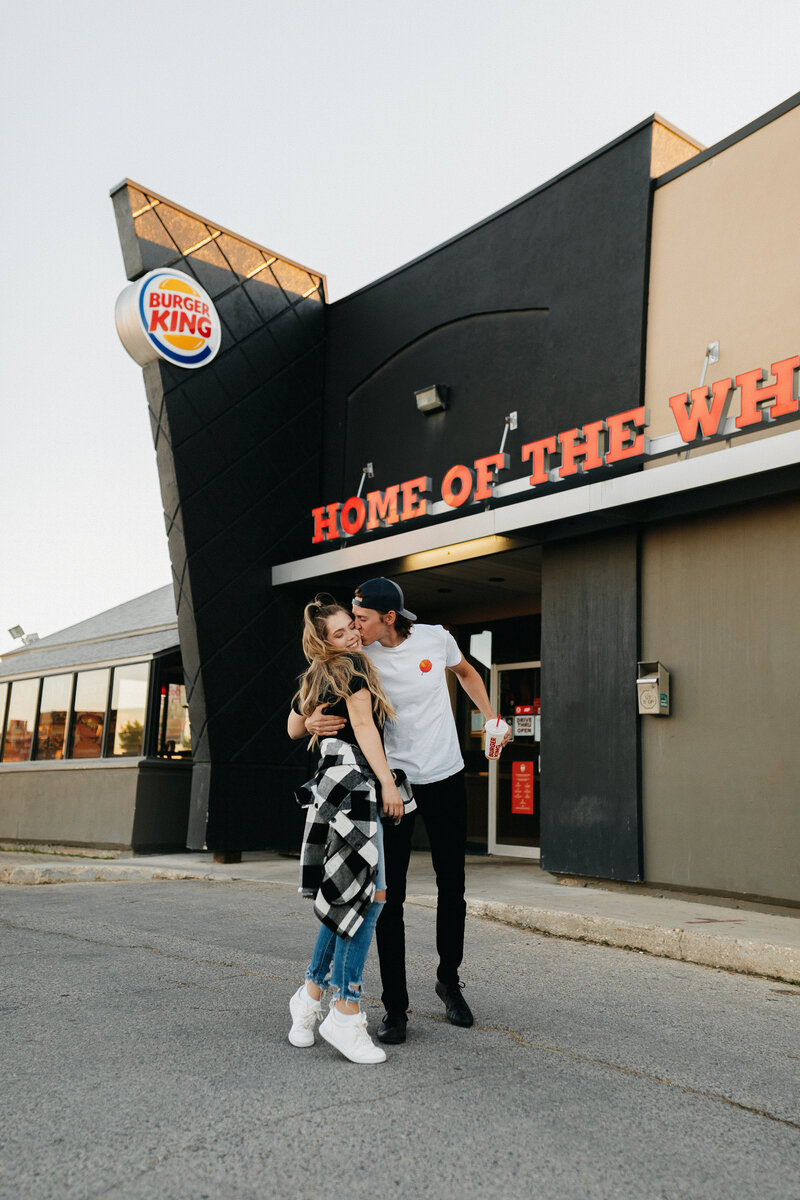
{"x": 282, "y": 464}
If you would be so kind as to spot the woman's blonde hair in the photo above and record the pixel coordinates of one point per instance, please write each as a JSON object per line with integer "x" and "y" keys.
{"x": 331, "y": 671}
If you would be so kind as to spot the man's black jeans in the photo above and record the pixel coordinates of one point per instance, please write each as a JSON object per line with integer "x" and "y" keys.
{"x": 443, "y": 808}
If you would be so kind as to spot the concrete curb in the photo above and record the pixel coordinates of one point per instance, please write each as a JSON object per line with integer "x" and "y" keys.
{"x": 105, "y": 873}
{"x": 705, "y": 949}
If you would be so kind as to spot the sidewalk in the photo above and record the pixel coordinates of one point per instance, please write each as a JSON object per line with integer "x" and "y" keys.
{"x": 735, "y": 936}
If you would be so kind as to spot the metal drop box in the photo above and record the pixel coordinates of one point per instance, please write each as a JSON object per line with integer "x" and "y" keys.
{"x": 652, "y": 686}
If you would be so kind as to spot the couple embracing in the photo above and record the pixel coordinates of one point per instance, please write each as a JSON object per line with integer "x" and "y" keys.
{"x": 375, "y": 695}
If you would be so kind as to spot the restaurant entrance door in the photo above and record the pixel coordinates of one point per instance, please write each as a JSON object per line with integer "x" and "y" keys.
{"x": 514, "y": 791}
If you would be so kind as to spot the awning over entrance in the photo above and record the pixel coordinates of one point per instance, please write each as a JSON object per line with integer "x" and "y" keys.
{"x": 460, "y": 583}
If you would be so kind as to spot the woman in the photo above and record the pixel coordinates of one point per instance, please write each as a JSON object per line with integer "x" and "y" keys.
{"x": 342, "y": 857}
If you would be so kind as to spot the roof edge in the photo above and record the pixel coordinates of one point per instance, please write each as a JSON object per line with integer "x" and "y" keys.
{"x": 773, "y": 114}
{"x": 126, "y": 182}
{"x": 653, "y": 118}
{"x": 681, "y": 133}
{"x": 43, "y": 644}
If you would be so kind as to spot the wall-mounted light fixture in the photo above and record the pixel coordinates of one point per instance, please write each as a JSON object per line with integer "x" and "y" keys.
{"x": 19, "y": 634}
{"x": 432, "y": 399}
{"x": 509, "y": 422}
{"x": 367, "y": 472}
{"x": 711, "y": 356}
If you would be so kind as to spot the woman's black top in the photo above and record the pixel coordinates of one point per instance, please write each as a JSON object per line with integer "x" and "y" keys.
{"x": 338, "y": 708}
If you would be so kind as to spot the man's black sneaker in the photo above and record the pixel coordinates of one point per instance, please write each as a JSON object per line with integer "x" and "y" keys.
{"x": 392, "y": 1029}
{"x": 458, "y": 1011}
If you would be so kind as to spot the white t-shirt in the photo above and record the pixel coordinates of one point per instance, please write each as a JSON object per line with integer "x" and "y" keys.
{"x": 423, "y": 739}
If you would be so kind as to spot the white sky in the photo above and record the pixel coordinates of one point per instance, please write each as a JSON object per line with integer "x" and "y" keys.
{"x": 349, "y": 135}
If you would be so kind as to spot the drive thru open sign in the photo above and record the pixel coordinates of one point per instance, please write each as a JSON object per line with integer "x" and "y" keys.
{"x": 523, "y": 720}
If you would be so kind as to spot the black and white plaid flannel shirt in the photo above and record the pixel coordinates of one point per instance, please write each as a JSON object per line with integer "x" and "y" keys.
{"x": 339, "y": 859}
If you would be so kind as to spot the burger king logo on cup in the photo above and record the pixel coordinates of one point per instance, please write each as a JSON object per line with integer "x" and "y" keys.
{"x": 166, "y": 314}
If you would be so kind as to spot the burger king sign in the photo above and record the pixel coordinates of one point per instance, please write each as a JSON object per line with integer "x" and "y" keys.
{"x": 166, "y": 314}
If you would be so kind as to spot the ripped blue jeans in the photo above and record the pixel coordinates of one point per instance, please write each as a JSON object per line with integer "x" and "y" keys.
{"x": 338, "y": 962}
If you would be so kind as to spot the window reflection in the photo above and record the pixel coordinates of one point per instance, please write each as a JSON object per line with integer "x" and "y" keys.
{"x": 175, "y": 734}
{"x": 21, "y": 718}
{"x": 51, "y": 732}
{"x": 128, "y": 707}
{"x": 89, "y": 714}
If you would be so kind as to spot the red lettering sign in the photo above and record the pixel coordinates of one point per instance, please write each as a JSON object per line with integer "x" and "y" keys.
{"x": 326, "y": 523}
{"x": 383, "y": 507}
{"x": 351, "y": 518}
{"x": 585, "y": 444}
{"x": 689, "y": 414}
{"x": 540, "y": 453}
{"x": 485, "y": 469}
{"x": 620, "y": 437}
{"x": 415, "y": 505}
{"x": 754, "y": 395}
{"x": 457, "y": 486}
{"x": 624, "y": 441}
{"x": 522, "y": 787}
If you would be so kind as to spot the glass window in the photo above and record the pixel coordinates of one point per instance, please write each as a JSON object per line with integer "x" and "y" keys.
{"x": 89, "y": 713}
{"x": 51, "y": 734}
{"x": 21, "y": 718}
{"x": 128, "y": 708}
{"x": 3, "y": 696}
{"x": 174, "y": 730}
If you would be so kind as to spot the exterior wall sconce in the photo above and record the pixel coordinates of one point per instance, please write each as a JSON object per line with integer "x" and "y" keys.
{"x": 367, "y": 472}
{"x": 712, "y": 356}
{"x": 432, "y": 399}
{"x": 19, "y": 634}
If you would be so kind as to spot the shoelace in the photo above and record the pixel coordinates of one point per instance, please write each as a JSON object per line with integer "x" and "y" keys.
{"x": 360, "y": 1029}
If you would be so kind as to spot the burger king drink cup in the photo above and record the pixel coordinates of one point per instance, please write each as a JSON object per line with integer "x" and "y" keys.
{"x": 495, "y": 730}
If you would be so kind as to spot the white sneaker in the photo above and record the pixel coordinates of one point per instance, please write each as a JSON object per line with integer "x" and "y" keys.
{"x": 305, "y": 1014}
{"x": 348, "y": 1034}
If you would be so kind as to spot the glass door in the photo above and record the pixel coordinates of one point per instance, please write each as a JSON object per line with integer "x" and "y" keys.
{"x": 514, "y": 793}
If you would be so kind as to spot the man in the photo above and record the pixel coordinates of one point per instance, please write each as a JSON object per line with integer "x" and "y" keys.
{"x": 413, "y": 660}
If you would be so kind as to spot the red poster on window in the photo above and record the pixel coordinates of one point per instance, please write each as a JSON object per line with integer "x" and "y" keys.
{"x": 522, "y": 787}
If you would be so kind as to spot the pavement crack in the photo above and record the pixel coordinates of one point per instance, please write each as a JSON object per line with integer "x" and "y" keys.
{"x": 519, "y": 1038}
{"x": 632, "y": 1072}
{"x": 109, "y": 1188}
{"x": 166, "y": 954}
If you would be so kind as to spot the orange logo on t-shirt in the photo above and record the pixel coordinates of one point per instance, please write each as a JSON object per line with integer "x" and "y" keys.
{"x": 425, "y": 665}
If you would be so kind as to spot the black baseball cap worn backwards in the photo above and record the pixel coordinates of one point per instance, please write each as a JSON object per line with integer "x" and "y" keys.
{"x": 384, "y": 596}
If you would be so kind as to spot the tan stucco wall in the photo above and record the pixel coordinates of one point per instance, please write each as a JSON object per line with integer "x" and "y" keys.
{"x": 721, "y": 776}
{"x": 724, "y": 267}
